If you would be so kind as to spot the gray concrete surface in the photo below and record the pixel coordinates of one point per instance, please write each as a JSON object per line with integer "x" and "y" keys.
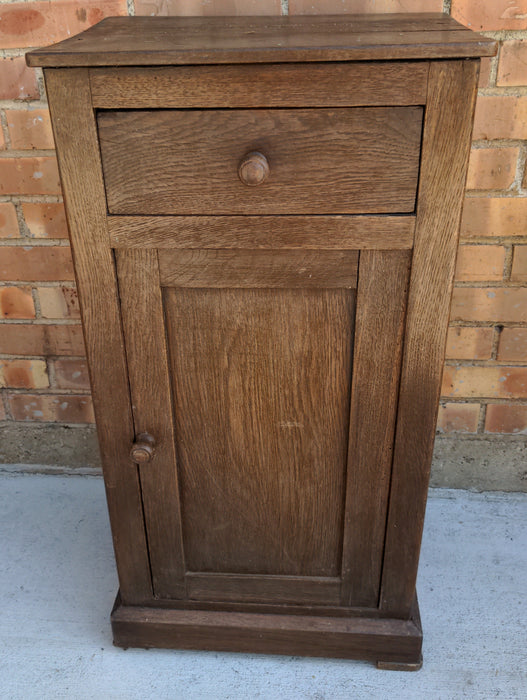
{"x": 479, "y": 462}
{"x": 57, "y": 585}
{"x": 482, "y": 463}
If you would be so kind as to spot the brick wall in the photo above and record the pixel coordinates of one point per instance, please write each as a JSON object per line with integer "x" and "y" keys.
{"x": 42, "y": 368}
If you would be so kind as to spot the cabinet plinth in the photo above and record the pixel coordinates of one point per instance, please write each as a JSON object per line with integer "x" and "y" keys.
{"x": 264, "y": 233}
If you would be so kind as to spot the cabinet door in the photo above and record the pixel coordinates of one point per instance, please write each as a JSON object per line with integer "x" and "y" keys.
{"x": 268, "y": 380}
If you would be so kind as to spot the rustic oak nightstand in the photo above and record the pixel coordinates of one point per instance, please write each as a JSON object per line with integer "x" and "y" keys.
{"x": 264, "y": 215}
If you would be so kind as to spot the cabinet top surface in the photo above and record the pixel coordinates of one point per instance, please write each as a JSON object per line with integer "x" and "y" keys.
{"x": 157, "y": 41}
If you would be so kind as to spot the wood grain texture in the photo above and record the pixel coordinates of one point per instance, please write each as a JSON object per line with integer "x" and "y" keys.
{"x": 446, "y": 146}
{"x": 80, "y": 168}
{"x": 272, "y": 85}
{"x": 379, "y": 326}
{"x": 259, "y": 268}
{"x": 144, "y": 331}
{"x": 262, "y": 409}
{"x": 322, "y": 161}
{"x": 268, "y": 607}
{"x": 267, "y": 232}
{"x": 270, "y": 589}
{"x": 309, "y": 635}
{"x": 135, "y": 41}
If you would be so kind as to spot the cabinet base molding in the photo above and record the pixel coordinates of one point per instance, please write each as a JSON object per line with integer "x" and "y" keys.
{"x": 391, "y": 643}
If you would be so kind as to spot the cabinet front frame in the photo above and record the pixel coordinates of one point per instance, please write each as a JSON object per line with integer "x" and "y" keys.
{"x": 449, "y": 104}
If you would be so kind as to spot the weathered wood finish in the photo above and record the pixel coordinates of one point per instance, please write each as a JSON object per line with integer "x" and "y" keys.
{"x": 446, "y": 148}
{"x": 264, "y": 589}
{"x": 144, "y": 329}
{"x": 379, "y": 325}
{"x": 309, "y": 635}
{"x": 80, "y": 170}
{"x": 322, "y": 161}
{"x": 157, "y": 41}
{"x": 275, "y": 85}
{"x": 267, "y": 420}
{"x": 261, "y": 412}
{"x": 259, "y": 268}
{"x": 268, "y": 232}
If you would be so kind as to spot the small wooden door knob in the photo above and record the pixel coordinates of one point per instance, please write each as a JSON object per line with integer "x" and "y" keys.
{"x": 254, "y": 169}
{"x": 143, "y": 449}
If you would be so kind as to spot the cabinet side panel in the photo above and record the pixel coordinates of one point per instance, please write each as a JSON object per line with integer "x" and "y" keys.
{"x": 261, "y": 383}
{"x": 81, "y": 175}
{"x": 379, "y": 326}
{"x": 446, "y": 147}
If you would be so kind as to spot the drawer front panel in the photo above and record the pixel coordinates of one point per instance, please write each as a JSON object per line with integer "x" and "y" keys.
{"x": 321, "y": 161}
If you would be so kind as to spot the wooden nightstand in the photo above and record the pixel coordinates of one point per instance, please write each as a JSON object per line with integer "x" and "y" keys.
{"x": 264, "y": 215}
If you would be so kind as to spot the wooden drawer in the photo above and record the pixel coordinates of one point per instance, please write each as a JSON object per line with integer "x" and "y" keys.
{"x": 320, "y": 161}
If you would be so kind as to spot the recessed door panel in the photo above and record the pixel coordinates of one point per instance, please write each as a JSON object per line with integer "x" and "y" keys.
{"x": 260, "y": 382}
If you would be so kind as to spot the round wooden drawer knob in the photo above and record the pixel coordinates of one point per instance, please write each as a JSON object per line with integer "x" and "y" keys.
{"x": 254, "y": 169}
{"x": 143, "y": 449}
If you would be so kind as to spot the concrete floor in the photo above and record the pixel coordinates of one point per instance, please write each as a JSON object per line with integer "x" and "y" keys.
{"x": 58, "y": 582}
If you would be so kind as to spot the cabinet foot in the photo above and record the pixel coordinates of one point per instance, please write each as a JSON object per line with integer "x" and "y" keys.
{"x": 400, "y": 666}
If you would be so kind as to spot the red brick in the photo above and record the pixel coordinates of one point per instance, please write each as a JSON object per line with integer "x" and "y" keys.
{"x": 54, "y": 408}
{"x": 8, "y": 221}
{"x": 46, "y": 220}
{"x": 40, "y": 339}
{"x": 29, "y": 128}
{"x": 489, "y": 15}
{"x": 24, "y": 374}
{"x": 513, "y": 345}
{"x": 484, "y": 72}
{"x": 492, "y": 168}
{"x": 40, "y": 23}
{"x": 506, "y": 418}
{"x": 35, "y": 175}
{"x": 496, "y": 304}
{"x": 2, "y": 140}
{"x": 315, "y": 7}
{"x": 519, "y": 264}
{"x": 493, "y": 382}
{"x": 480, "y": 262}
{"x": 45, "y": 263}
{"x": 469, "y": 343}
{"x": 17, "y": 81}
{"x": 458, "y": 418}
{"x": 207, "y": 7}
{"x": 71, "y": 374}
{"x": 59, "y": 302}
{"x": 500, "y": 117}
{"x": 512, "y": 68}
{"x": 16, "y": 302}
{"x": 494, "y": 216}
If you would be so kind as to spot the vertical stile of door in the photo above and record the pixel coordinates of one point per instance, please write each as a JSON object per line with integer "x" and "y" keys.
{"x": 379, "y": 325}
{"x": 451, "y": 98}
{"x": 75, "y": 134}
{"x": 144, "y": 329}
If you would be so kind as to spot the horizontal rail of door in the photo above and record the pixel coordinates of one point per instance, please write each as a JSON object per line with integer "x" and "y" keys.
{"x": 264, "y": 589}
